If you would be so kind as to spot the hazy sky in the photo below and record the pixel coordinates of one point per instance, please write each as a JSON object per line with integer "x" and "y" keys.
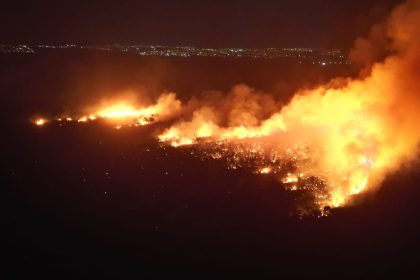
{"x": 316, "y": 23}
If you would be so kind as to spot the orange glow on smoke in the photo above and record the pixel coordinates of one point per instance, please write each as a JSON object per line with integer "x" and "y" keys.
{"x": 347, "y": 134}
{"x": 345, "y": 131}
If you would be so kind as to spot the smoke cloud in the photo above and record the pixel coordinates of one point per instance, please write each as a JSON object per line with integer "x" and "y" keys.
{"x": 353, "y": 131}
{"x": 336, "y": 141}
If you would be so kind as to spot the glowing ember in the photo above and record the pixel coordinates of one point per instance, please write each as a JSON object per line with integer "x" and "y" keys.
{"x": 265, "y": 170}
{"x": 290, "y": 179}
{"x": 40, "y": 122}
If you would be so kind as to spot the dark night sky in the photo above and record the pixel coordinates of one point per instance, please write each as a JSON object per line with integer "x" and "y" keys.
{"x": 316, "y": 23}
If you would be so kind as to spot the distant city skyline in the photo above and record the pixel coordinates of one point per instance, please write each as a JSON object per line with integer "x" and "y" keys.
{"x": 322, "y": 57}
{"x": 69, "y": 44}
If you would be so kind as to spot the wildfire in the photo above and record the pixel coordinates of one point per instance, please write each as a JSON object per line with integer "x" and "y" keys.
{"x": 343, "y": 137}
{"x": 123, "y": 111}
{"x": 127, "y": 112}
{"x": 334, "y": 141}
{"x": 331, "y": 134}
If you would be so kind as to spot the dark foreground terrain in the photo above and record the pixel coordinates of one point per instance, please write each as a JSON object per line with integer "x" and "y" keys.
{"x": 94, "y": 200}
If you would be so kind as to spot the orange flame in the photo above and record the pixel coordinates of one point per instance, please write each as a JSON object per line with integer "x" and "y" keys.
{"x": 356, "y": 130}
{"x": 126, "y": 112}
{"x": 40, "y": 122}
{"x": 340, "y": 139}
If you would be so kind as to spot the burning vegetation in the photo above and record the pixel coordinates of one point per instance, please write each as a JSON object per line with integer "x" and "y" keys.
{"x": 334, "y": 141}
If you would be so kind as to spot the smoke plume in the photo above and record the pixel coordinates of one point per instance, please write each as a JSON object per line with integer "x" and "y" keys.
{"x": 334, "y": 141}
{"x": 342, "y": 137}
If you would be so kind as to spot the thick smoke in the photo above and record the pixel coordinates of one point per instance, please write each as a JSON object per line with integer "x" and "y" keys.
{"x": 336, "y": 140}
{"x": 357, "y": 130}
